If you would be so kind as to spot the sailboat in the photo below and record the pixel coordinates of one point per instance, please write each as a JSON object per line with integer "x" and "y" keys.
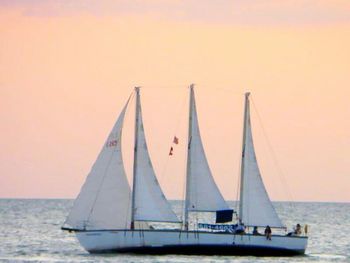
{"x": 110, "y": 216}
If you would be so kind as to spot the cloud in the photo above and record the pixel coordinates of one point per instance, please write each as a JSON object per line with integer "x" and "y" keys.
{"x": 246, "y": 12}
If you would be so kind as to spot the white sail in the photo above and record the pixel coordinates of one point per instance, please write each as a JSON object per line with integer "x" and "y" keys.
{"x": 104, "y": 199}
{"x": 150, "y": 204}
{"x": 256, "y": 208}
{"x": 202, "y": 193}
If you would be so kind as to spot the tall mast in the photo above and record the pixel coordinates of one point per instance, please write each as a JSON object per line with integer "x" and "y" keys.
{"x": 246, "y": 112}
{"x": 188, "y": 157}
{"x": 137, "y": 106}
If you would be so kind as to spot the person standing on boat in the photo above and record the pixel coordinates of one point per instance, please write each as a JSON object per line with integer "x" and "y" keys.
{"x": 255, "y": 231}
{"x": 240, "y": 229}
{"x": 297, "y": 230}
{"x": 268, "y": 232}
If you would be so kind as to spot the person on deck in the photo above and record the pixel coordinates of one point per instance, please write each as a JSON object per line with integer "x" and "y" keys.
{"x": 297, "y": 230}
{"x": 268, "y": 232}
{"x": 255, "y": 231}
{"x": 240, "y": 229}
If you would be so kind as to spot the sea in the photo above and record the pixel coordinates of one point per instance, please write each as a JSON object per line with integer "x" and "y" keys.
{"x": 30, "y": 232}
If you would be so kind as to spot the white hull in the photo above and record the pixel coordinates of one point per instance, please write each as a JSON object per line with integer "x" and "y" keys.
{"x": 191, "y": 242}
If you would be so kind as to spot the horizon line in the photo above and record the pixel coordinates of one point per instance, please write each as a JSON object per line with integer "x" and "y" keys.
{"x": 276, "y": 201}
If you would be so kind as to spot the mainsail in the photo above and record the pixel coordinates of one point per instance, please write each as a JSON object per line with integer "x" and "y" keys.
{"x": 256, "y": 208}
{"x": 202, "y": 194}
{"x": 149, "y": 202}
{"x": 104, "y": 199}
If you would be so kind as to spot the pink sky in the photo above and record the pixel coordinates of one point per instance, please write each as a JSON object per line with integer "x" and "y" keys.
{"x": 67, "y": 69}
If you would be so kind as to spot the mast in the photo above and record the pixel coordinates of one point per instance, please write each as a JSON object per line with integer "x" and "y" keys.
{"x": 137, "y": 105}
{"x": 246, "y": 112}
{"x": 188, "y": 157}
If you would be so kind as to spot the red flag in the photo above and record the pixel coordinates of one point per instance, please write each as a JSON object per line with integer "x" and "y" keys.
{"x": 171, "y": 151}
{"x": 176, "y": 140}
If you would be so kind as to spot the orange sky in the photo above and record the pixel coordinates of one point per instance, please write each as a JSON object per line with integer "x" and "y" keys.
{"x": 66, "y": 71}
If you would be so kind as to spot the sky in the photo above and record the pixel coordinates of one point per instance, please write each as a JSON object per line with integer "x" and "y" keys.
{"x": 68, "y": 67}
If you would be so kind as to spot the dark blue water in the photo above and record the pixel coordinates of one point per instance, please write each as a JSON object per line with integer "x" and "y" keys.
{"x": 30, "y": 231}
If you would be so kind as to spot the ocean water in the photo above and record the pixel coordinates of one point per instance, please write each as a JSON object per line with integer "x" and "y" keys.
{"x": 30, "y": 232}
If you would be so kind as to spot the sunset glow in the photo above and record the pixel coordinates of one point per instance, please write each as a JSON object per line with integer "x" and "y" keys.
{"x": 66, "y": 70}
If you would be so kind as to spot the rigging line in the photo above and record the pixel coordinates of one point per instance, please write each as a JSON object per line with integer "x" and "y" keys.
{"x": 177, "y": 123}
{"x": 107, "y": 168}
{"x": 266, "y": 138}
{"x": 240, "y": 159}
{"x": 132, "y": 96}
{"x": 163, "y": 87}
{"x": 184, "y": 190}
{"x": 223, "y": 87}
{"x": 166, "y": 165}
{"x": 183, "y": 194}
{"x": 183, "y": 85}
{"x": 196, "y": 124}
{"x": 180, "y": 86}
{"x": 238, "y": 92}
{"x": 238, "y": 180}
{"x": 280, "y": 171}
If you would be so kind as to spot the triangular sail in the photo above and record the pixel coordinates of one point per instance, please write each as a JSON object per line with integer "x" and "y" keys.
{"x": 104, "y": 199}
{"x": 256, "y": 208}
{"x": 202, "y": 193}
{"x": 150, "y": 204}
